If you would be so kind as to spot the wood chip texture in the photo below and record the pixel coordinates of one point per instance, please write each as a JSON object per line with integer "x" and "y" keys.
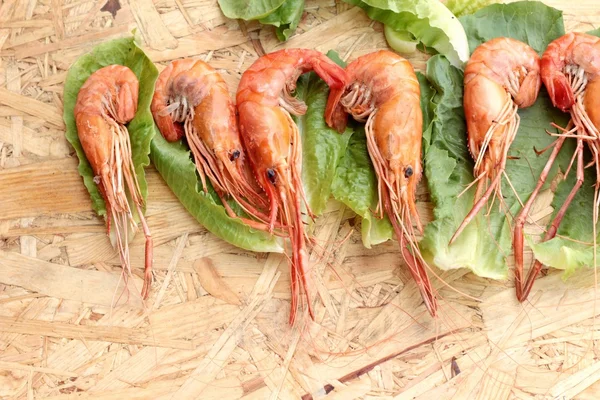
{"x": 215, "y": 326}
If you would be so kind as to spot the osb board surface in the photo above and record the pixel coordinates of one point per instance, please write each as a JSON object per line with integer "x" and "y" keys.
{"x": 216, "y": 324}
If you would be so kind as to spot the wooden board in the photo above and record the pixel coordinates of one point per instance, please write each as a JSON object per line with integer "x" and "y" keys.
{"x": 216, "y": 324}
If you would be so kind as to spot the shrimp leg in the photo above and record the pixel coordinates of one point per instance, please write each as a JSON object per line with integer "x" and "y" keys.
{"x": 148, "y": 256}
{"x": 524, "y": 213}
{"x": 524, "y": 289}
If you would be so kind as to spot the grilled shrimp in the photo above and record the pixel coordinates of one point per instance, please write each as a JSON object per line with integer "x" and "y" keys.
{"x": 191, "y": 99}
{"x": 501, "y": 76}
{"x": 273, "y": 144}
{"x": 383, "y": 90}
{"x": 105, "y": 103}
{"x": 570, "y": 69}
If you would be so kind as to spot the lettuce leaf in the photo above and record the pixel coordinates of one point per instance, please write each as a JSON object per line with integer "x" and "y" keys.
{"x": 563, "y": 253}
{"x": 429, "y": 21}
{"x": 286, "y": 18}
{"x": 249, "y": 9}
{"x": 531, "y": 22}
{"x": 173, "y": 162}
{"x": 448, "y": 165}
{"x": 448, "y": 168}
{"x": 284, "y": 15}
{"x": 141, "y": 128}
{"x": 322, "y": 147}
{"x": 355, "y": 185}
{"x": 402, "y": 41}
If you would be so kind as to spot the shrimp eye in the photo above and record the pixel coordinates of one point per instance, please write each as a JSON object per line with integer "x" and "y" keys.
{"x": 408, "y": 171}
{"x": 234, "y": 156}
{"x": 271, "y": 175}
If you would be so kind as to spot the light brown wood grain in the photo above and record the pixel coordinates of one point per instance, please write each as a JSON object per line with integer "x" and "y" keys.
{"x": 65, "y": 282}
{"x": 44, "y": 111}
{"x": 101, "y": 333}
{"x": 216, "y": 321}
{"x": 155, "y": 33}
{"x": 213, "y": 283}
{"x": 44, "y": 188}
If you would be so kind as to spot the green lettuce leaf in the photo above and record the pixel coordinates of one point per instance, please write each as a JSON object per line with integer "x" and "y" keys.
{"x": 284, "y": 15}
{"x": 429, "y": 21}
{"x": 249, "y": 9}
{"x": 563, "y": 253}
{"x": 448, "y": 168}
{"x": 322, "y": 147}
{"x": 448, "y": 165}
{"x": 286, "y": 18}
{"x": 464, "y": 7}
{"x": 401, "y": 41}
{"x": 354, "y": 182}
{"x": 355, "y": 185}
{"x": 141, "y": 128}
{"x": 531, "y": 22}
{"x": 595, "y": 32}
{"x": 173, "y": 162}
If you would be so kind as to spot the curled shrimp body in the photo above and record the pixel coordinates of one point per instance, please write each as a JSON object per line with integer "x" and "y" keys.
{"x": 273, "y": 143}
{"x": 105, "y": 103}
{"x": 501, "y": 76}
{"x": 383, "y": 90}
{"x": 191, "y": 99}
{"x": 570, "y": 70}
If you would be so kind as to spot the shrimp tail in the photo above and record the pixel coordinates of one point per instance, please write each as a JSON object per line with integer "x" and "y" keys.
{"x": 170, "y": 130}
{"x": 560, "y": 92}
{"x": 334, "y": 76}
{"x": 530, "y": 87}
{"x": 335, "y": 116}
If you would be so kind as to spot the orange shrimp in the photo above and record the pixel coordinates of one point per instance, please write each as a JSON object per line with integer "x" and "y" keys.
{"x": 273, "y": 143}
{"x": 570, "y": 70}
{"x": 105, "y": 103}
{"x": 191, "y": 99}
{"x": 501, "y": 76}
{"x": 383, "y": 89}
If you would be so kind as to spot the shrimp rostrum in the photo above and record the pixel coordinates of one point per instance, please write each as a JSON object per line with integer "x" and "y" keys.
{"x": 383, "y": 90}
{"x": 274, "y": 148}
{"x": 191, "y": 99}
{"x": 570, "y": 69}
{"x": 106, "y": 102}
{"x": 501, "y": 76}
